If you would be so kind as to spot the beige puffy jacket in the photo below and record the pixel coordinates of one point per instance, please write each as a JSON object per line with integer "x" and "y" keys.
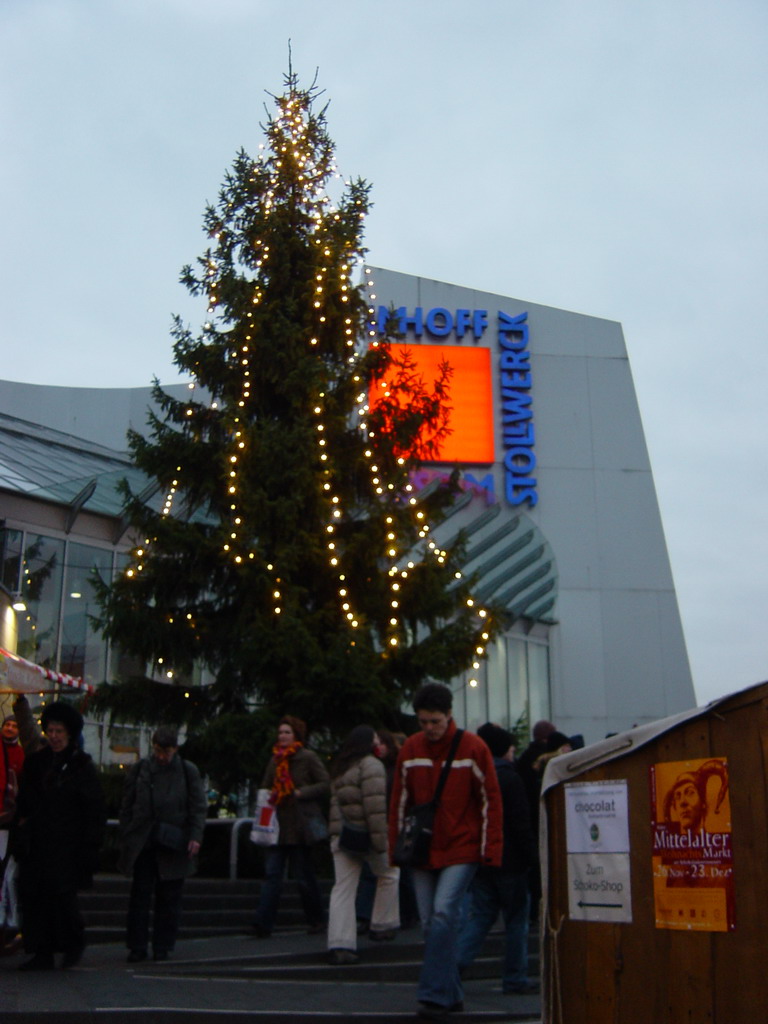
{"x": 360, "y": 796}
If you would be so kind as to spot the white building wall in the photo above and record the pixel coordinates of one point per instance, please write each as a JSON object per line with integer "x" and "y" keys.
{"x": 617, "y": 652}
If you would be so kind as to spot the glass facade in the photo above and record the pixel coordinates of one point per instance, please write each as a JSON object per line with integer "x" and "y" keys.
{"x": 512, "y": 688}
{"x": 53, "y": 576}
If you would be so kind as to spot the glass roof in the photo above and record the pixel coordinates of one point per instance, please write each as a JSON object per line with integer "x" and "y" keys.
{"x": 53, "y": 466}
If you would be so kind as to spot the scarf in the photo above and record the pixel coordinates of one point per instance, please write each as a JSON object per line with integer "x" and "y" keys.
{"x": 283, "y": 785}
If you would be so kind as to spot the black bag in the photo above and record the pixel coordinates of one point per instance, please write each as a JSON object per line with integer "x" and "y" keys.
{"x": 354, "y": 838}
{"x": 170, "y": 837}
{"x": 164, "y": 834}
{"x": 415, "y": 838}
{"x": 313, "y": 824}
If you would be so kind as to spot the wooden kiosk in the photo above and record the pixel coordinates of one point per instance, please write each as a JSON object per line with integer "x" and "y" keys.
{"x": 655, "y": 865}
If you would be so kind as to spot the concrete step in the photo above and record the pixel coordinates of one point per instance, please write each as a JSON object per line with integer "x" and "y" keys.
{"x": 214, "y": 908}
{"x": 96, "y": 901}
{"x": 211, "y": 906}
{"x": 380, "y": 963}
{"x": 115, "y": 884}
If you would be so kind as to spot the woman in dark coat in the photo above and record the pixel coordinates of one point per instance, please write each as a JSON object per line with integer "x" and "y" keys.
{"x": 59, "y": 827}
{"x": 298, "y": 782}
{"x": 160, "y": 791}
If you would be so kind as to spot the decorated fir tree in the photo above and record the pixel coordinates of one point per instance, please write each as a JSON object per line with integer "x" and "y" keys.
{"x": 291, "y": 557}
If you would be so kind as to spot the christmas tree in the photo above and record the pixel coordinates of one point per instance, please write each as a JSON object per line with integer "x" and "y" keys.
{"x": 291, "y": 557}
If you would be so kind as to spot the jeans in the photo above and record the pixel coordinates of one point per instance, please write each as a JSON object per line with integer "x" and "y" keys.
{"x": 300, "y": 860}
{"x": 167, "y": 893}
{"x": 366, "y": 893}
{"x": 439, "y": 895}
{"x": 494, "y": 891}
{"x": 342, "y": 929}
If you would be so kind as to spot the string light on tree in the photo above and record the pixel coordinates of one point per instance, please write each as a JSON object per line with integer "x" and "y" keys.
{"x": 290, "y": 551}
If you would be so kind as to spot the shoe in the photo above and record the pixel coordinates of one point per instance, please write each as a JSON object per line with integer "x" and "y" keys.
{"x": 342, "y": 956}
{"x": 39, "y": 962}
{"x": 385, "y": 935}
{"x": 528, "y": 989}
{"x": 259, "y": 932}
{"x": 316, "y": 929}
{"x": 160, "y": 954}
{"x": 12, "y": 946}
{"x": 437, "y": 1011}
{"x": 72, "y": 958}
{"x": 136, "y": 956}
{"x": 362, "y": 925}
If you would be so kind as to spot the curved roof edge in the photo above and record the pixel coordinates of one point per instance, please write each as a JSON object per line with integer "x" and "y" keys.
{"x": 571, "y": 765}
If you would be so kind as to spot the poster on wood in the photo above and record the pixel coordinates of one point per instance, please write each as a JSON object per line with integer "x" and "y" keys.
{"x": 692, "y": 852}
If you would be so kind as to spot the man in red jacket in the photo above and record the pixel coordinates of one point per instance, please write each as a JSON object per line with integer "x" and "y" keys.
{"x": 467, "y": 832}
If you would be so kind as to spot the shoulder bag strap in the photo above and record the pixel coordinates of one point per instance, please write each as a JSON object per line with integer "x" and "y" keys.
{"x": 447, "y": 766}
{"x": 184, "y": 765}
{"x": 146, "y": 768}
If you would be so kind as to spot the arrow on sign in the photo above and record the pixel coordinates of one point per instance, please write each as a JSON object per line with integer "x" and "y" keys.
{"x": 608, "y": 906}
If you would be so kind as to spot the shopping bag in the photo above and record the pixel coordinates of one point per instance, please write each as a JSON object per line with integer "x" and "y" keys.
{"x": 265, "y": 829}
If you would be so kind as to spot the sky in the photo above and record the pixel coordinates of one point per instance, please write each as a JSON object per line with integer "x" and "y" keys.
{"x": 602, "y": 156}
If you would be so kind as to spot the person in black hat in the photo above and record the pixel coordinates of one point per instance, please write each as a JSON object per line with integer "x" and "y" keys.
{"x": 59, "y": 827}
{"x": 504, "y": 889}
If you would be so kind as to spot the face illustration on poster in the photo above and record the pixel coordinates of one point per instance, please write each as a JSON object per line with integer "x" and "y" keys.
{"x": 689, "y": 798}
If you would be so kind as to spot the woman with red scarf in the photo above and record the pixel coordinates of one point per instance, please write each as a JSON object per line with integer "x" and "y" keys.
{"x": 298, "y": 782}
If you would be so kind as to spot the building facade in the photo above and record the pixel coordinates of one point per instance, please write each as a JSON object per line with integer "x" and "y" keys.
{"x": 558, "y": 508}
{"x": 561, "y": 511}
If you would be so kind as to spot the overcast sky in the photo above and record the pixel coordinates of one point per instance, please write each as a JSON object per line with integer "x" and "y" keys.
{"x": 604, "y": 156}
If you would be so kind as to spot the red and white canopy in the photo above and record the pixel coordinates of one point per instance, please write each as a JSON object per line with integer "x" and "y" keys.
{"x": 22, "y": 676}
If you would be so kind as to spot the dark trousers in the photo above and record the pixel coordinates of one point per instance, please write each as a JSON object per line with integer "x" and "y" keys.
{"x": 494, "y": 890}
{"x": 275, "y": 861}
{"x": 51, "y": 919}
{"x": 167, "y": 911}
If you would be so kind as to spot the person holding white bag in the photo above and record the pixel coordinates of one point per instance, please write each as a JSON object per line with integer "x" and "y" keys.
{"x": 298, "y": 781}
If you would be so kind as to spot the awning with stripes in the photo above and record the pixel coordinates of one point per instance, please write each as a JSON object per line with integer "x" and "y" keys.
{"x": 21, "y": 676}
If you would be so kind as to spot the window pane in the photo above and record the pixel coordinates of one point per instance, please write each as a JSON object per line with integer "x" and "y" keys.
{"x": 121, "y": 664}
{"x": 82, "y": 648}
{"x": 498, "y": 690}
{"x": 11, "y": 558}
{"x": 517, "y": 676}
{"x": 477, "y": 713}
{"x": 538, "y": 681}
{"x": 42, "y": 570}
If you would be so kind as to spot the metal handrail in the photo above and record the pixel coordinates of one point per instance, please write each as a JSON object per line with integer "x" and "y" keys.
{"x": 236, "y": 823}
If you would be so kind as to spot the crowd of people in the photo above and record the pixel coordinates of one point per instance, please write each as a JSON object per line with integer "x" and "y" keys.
{"x": 439, "y": 825}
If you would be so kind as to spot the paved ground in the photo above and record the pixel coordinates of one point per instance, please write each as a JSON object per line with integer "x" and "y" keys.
{"x": 285, "y": 978}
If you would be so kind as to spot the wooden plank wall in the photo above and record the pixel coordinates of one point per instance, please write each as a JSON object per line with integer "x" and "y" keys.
{"x": 597, "y": 973}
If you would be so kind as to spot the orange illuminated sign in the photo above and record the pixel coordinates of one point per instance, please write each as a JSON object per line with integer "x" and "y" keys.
{"x": 470, "y": 398}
